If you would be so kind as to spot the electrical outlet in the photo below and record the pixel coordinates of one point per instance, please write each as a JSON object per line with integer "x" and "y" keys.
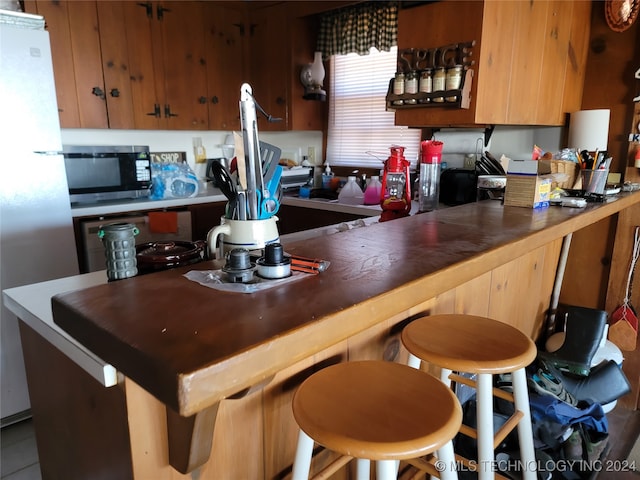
{"x": 311, "y": 155}
{"x": 469, "y": 162}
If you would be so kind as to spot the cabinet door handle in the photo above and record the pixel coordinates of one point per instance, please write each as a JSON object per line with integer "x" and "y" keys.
{"x": 160, "y": 11}
{"x": 156, "y": 111}
{"x": 148, "y": 7}
{"x": 240, "y": 27}
{"x": 114, "y": 92}
{"x": 202, "y": 100}
{"x": 214, "y": 100}
{"x": 98, "y": 92}
{"x": 280, "y": 101}
{"x": 167, "y": 112}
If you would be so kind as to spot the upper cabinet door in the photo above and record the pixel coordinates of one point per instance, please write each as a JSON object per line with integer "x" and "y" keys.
{"x": 178, "y": 65}
{"x": 226, "y": 57}
{"x": 184, "y": 61}
{"x": 77, "y": 61}
{"x": 115, "y": 64}
{"x": 268, "y": 57}
{"x": 145, "y": 74}
{"x": 529, "y": 58}
{"x": 282, "y": 39}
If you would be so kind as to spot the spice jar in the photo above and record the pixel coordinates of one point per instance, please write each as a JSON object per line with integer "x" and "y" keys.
{"x": 426, "y": 84}
{"x": 398, "y": 87}
{"x": 439, "y": 83}
{"x": 411, "y": 86}
{"x": 453, "y": 81}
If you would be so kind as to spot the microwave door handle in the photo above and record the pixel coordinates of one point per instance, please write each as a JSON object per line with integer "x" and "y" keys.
{"x": 49, "y": 152}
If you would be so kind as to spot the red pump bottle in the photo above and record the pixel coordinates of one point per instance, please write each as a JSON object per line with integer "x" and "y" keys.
{"x": 395, "y": 194}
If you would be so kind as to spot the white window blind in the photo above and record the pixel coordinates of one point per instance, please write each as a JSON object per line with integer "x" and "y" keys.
{"x": 359, "y": 125}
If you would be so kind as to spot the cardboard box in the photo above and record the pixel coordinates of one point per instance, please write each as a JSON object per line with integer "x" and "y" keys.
{"x": 564, "y": 174}
{"x": 531, "y": 191}
{"x": 528, "y": 167}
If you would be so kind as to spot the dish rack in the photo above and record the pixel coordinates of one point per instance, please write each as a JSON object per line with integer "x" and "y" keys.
{"x": 295, "y": 177}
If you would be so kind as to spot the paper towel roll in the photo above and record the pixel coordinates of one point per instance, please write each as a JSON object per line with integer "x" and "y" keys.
{"x": 589, "y": 130}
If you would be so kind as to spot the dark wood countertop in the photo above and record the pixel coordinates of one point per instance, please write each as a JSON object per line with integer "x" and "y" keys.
{"x": 191, "y": 346}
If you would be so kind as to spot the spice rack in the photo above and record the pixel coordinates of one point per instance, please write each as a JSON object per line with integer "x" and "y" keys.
{"x": 453, "y": 59}
{"x": 461, "y": 96}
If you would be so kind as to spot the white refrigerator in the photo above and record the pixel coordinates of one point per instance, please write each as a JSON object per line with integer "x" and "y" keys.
{"x": 36, "y": 232}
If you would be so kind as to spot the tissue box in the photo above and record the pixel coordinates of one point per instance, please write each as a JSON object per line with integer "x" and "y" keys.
{"x": 530, "y": 191}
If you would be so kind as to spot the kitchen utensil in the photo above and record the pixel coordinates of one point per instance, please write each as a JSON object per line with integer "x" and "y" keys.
{"x": 253, "y": 166}
{"x": 269, "y": 198}
{"x": 261, "y": 162}
{"x": 164, "y": 255}
{"x": 494, "y": 164}
{"x": 228, "y": 187}
{"x": 240, "y": 160}
{"x": 209, "y": 172}
{"x": 249, "y": 234}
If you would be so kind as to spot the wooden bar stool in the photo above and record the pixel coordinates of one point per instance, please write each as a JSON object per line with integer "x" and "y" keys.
{"x": 376, "y": 410}
{"x": 481, "y": 346}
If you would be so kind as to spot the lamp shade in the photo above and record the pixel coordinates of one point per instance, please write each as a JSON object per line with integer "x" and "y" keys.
{"x": 589, "y": 130}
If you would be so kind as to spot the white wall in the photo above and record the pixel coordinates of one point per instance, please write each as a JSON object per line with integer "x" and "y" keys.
{"x": 518, "y": 142}
{"x": 182, "y": 141}
{"x": 514, "y": 142}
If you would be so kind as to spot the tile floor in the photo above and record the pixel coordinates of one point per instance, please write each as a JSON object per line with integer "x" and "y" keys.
{"x": 19, "y": 456}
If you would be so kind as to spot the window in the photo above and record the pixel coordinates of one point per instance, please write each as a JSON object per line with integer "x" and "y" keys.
{"x": 360, "y": 129}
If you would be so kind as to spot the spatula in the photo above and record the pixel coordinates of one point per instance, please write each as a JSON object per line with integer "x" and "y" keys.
{"x": 240, "y": 159}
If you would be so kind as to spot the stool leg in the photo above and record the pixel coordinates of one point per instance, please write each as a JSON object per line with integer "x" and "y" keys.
{"x": 302, "y": 462}
{"x": 484, "y": 415}
{"x": 447, "y": 458}
{"x": 363, "y": 468}
{"x": 414, "y": 362}
{"x": 444, "y": 376}
{"x": 386, "y": 470}
{"x": 525, "y": 431}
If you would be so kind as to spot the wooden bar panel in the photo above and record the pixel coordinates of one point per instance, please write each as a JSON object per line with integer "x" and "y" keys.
{"x": 81, "y": 426}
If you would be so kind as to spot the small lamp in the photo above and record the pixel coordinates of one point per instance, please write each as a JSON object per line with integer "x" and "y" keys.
{"x": 589, "y": 130}
{"x": 312, "y": 76}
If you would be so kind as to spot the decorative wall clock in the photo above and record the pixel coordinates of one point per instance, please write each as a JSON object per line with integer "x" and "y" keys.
{"x": 621, "y": 13}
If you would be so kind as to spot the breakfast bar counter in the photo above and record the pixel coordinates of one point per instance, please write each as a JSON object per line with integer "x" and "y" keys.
{"x": 206, "y": 376}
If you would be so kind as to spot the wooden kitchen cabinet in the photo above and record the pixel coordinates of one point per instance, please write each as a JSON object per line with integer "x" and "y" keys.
{"x": 146, "y": 65}
{"x": 226, "y": 62}
{"x": 178, "y": 65}
{"x": 76, "y": 56}
{"x": 530, "y": 59}
{"x": 281, "y": 41}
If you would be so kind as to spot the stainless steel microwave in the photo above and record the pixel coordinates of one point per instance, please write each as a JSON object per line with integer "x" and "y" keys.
{"x": 104, "y": 173}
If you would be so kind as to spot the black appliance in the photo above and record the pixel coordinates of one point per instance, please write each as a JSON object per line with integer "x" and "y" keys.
{"x": 458, "y": 186}
{"x": 103, "y": 173}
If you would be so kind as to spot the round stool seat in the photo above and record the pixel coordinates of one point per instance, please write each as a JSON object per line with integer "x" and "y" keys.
{"x": 377, "y": 410}
{"x": 469, "y": 343}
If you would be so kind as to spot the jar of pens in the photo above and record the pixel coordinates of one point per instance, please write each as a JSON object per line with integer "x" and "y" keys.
{"x": 594, "y": 174}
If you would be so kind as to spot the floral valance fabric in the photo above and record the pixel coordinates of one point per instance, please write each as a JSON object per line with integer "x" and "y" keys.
{"x": 358, "y": 28}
